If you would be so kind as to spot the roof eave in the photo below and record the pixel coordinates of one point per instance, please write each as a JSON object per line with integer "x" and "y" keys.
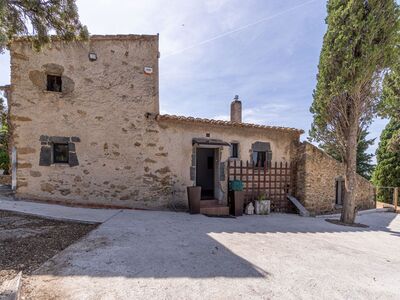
{"x": 166, "y": 117}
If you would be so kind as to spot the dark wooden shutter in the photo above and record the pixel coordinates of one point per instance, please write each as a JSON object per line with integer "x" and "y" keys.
{"x": 45, "y": 156}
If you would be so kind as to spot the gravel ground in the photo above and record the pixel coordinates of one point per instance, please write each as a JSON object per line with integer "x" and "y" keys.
{"x": 165, "y": 255}
{"x": 26, "y": 242}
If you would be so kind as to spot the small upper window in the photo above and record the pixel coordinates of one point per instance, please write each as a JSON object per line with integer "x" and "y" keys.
{"x": 234, "y": 150}
{"x": 60, "y": 153}
{"x": 54, "y": 83}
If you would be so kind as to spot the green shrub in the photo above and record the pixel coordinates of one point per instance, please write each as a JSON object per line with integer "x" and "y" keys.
{"x": 4, "y": 160}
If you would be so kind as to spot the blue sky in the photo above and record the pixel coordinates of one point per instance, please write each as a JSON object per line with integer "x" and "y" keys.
{"x": 265, "y": 51}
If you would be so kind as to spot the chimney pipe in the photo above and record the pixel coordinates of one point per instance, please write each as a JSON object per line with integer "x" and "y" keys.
{"x": 236, "y": 110}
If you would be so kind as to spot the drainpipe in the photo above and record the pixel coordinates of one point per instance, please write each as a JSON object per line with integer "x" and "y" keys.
{"x": 14, "y": 168}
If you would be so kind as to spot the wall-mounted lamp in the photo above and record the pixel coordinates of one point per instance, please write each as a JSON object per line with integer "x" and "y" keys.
{"x": 92, "y": 56}
{"x": 148, "y": 70}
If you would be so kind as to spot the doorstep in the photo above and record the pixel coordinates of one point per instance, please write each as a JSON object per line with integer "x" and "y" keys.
{"x": 213, "y": 208}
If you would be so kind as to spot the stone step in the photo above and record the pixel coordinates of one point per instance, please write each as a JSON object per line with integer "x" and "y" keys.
{"x": 5, "y": 187}
{"x": 5, "y": 190}
{"x": 208, "y": 203}
{"x": 217, "y": 210}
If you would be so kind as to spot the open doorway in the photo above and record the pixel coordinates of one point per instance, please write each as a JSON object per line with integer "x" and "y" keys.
{"x": 205, "y": 172}
{"x": 340, "y": 190}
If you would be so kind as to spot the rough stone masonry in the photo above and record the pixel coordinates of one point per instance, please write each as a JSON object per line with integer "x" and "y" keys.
{"x": 85, "y": 121}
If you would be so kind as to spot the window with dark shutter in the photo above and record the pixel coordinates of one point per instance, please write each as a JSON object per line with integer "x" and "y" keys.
{"x": 262, "y": 154}
{"x": 54, "y": 83}
{"x": 58, "y": 150}
{"x": 60, "y": 153}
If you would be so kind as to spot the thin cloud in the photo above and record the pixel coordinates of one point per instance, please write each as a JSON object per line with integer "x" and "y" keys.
{"x": 266, "y": 51}
{"x": 240, "y": 28}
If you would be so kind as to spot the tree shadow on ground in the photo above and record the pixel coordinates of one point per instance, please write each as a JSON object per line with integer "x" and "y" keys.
{"x": 140, "y": 244}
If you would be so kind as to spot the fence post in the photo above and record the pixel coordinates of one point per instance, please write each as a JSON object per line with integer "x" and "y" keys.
{"x": 395, "y": 197}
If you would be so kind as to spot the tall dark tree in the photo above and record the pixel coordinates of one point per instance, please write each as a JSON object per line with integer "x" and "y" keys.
{"x": 390, "y": 104}
{"x": 365, "y": 166}
{"x": 358, "y": 48}
{"x": 39, "y": 19}
{"x": 387, "y": 171}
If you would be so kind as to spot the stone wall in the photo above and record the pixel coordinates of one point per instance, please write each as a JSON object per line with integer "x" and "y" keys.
{"x": 119, "y": 154}
{"x": 5, "y": 179}
{"x": 103, "y": 105}
{"x": 316, "y": 181}
{"x": 365, "y": 194}
{"x": 177, "y": 138}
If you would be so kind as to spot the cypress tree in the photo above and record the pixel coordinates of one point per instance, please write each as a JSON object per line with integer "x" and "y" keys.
{"x": 365, "y": 166}
{"x": 387, "y": 171}
{"x": 390, "y": 104}
{"x": 358, "y": 48}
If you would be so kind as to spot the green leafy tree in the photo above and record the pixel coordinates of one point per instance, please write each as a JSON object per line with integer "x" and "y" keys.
{"x": 39, "y": 18}
{"x": 358, "y": 48}
{"x": 387, "y": 171}
{"x": 390, "y": 104}
{"x": 365, "y": 166}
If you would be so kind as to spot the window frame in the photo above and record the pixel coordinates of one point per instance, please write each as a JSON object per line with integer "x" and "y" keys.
{"x": 54, "y": 78}
{"x": 233, "y": 154}
{"x": 54, "y": 156}
{"x": 261, "y": 154}
{"x": 264, "y": 163}
{"x": 260, "y": 162}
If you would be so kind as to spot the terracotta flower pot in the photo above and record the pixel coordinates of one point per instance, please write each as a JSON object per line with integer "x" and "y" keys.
{"x": 237, "y": 199}
{"x": 194, "y": 196}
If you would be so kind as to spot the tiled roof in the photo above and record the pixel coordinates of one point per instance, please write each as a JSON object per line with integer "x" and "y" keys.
{"x": 225, "y": 123}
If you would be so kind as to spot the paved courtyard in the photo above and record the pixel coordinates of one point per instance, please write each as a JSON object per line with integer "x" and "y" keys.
{"x": 166, "y": 255}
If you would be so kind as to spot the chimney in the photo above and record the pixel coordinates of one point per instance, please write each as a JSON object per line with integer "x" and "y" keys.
{"x": 236, "y": 110}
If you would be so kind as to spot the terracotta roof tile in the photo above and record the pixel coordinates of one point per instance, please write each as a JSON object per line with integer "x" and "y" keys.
{"x": 225, "y": 123}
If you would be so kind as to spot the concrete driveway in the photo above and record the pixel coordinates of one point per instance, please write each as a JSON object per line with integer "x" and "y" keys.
{"x": 166, "y": 255}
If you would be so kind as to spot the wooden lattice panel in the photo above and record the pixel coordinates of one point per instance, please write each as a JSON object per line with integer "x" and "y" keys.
{"x": 274, "y": 180}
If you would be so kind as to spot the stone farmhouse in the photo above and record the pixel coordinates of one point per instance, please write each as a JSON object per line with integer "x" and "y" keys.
{"x": 86, "y": 129}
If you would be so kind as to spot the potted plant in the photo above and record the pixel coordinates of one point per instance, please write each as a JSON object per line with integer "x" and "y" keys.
{"x": 262, "y": 205}
{"x": 194, "y": 196}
